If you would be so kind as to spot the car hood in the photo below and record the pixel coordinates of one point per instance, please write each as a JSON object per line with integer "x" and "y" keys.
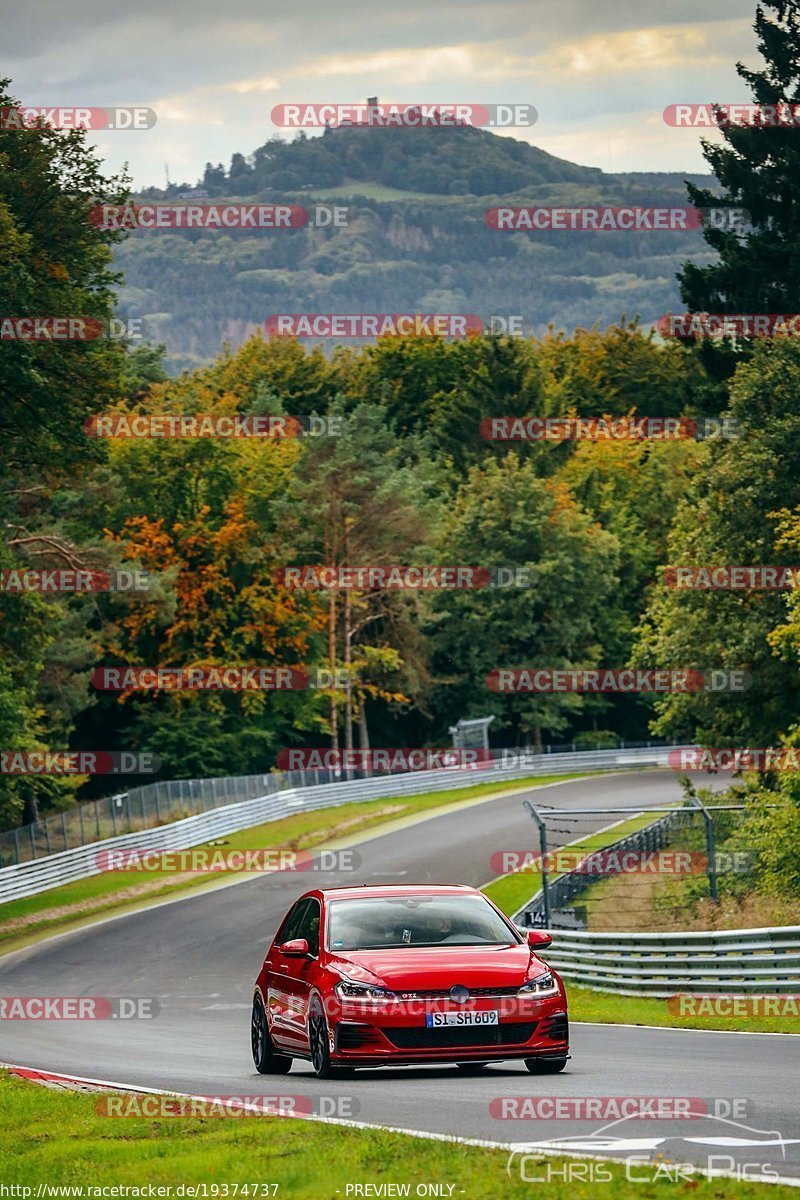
{"x": 428, "y": 968}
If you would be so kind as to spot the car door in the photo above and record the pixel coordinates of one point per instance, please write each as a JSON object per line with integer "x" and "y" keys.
{"x": 299, "y": 976}
{"x": 279, "y": 996}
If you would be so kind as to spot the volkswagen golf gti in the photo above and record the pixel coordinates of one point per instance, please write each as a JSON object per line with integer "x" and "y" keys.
{"x": 371, "y": 976}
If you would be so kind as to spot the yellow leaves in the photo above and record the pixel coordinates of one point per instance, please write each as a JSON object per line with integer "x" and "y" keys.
{"x": 787, "y": 525}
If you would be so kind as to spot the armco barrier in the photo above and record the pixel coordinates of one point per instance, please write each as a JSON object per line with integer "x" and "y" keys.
{"x": 739, "y": 961}
{"x": 149, "y": 805}
{"x": 37, "y": 875}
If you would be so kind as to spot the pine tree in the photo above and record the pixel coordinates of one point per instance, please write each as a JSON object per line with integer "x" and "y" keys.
{"x": 759, "y": 168}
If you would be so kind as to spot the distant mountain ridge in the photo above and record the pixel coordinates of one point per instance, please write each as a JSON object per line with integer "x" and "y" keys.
{"x": 416, "y": 240}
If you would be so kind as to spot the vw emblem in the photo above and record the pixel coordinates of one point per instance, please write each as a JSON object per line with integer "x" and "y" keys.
{"x": 459, "y": 994}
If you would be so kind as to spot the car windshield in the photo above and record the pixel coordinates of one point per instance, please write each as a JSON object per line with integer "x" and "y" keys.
{"x": 401, "y": 921}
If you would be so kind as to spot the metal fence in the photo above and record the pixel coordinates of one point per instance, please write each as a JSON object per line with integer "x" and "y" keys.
{"x": 739, "y": 961}
{"x": 155, "y": 804}
{"x": 568, "y": 887}
{"x": 282, "y": 797}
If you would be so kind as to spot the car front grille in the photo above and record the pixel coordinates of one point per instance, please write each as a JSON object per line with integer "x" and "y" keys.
{"x": 446, "y": 1036}
{"x": 474, "y": 993}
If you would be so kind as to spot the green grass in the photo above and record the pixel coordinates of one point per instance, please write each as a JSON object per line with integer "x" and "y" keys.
{"x": 511, "y": 891}
{"x": 374, "y": 191}
{"x": 612, "y": 1009}
{"x": 28, "y": 919}
{"x": 58, "y": 1138}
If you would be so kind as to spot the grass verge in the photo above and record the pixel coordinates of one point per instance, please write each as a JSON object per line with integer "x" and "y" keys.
{"x": 71, "y": 905}
{"x": 511, "y": 891}
{"x": 59, "y": 1139}
{"x": 612, "y": 1009}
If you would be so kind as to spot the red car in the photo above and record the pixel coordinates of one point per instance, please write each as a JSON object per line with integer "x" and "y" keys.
{"x": 365, "y": 976}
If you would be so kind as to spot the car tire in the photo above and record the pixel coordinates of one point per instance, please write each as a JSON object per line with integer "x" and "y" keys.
{"x": 545, "y": 1066}
{"x": 472, "y": 1068}
{"x": 319, "y": 1043}
{"x": 267, "y": 1061}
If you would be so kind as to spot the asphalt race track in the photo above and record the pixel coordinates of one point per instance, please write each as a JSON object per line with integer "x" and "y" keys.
{"x": 198, "y": 958}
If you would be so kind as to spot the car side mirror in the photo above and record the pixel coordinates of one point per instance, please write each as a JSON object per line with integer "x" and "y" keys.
{"x": 538, "y": 939}
{"x": 296, "y": 948}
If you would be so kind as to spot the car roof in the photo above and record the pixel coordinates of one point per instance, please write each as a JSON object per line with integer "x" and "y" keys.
{"x": 384, "y": 891}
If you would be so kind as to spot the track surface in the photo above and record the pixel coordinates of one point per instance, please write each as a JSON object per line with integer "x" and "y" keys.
{"x": 199, "y": 956}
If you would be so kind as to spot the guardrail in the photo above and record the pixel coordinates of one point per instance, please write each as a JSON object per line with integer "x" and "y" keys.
{"x": 739, "y": 961}
{"x": 38, "y": 875}
{"x": 152, "y": 804}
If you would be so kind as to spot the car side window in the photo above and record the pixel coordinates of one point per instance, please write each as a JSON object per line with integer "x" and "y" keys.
{"x": 309, "y": 926}
{"x": 290, "y": 929}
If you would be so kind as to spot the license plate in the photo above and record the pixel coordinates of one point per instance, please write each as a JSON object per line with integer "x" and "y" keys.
{"x": 488, "y": 1017}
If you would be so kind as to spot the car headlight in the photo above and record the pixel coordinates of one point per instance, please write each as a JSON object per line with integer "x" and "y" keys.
{"x": 542, "y": 985}
{"x": 346, "y": 989}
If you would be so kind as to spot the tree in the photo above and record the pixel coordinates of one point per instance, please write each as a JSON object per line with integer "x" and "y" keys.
{"x": 55, "y": 263}
{"x": 731, "y": 516}
{"x": 505, "y": 514}
{"x": 759, "y": 168}
{"x": 353, "y": 502}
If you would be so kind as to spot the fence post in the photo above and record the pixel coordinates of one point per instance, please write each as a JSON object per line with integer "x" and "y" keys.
{"x": 80, "y": 818}
{"x": 33, "y": 840}
{"x": 64, "y": 829}
{"x": 16, "y": 842}
{"x": 97, "y": 817}
{"x": 543, "y": 846}
{"x": 710, "y": 849}
{"x": 46, "y": 824}
{"x": 112, "y": 804}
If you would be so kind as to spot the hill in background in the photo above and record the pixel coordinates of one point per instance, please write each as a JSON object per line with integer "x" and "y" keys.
{"x": 416, "y": 240}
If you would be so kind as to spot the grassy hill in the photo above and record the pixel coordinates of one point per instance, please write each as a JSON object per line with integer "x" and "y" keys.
{"x": 416, "y": 240}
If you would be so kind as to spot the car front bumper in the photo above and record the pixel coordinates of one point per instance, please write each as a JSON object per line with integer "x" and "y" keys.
{"x": 529, "y": 1028}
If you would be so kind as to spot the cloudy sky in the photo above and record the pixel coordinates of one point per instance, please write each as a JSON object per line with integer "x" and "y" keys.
{"x": 599, "y": 74}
